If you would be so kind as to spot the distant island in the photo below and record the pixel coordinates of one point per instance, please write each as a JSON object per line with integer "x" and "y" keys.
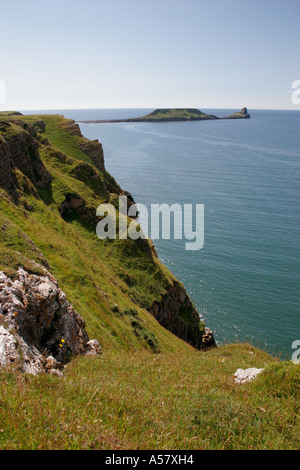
{"x": 177, "y": 114}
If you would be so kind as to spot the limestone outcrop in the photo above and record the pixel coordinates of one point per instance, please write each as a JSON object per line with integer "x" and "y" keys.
{"x": 39, "y": 328}
{"x": 242, "y": 376}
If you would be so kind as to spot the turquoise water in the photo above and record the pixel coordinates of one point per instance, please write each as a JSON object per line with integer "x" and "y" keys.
{"x": 245, "y": 279}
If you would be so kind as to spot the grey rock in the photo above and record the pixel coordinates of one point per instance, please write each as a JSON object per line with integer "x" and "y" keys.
{"x": 170, "y": 312}
{"x": 8, "y": 347}
{"x": 246, "y": 375}
{"x": 93, "y": 348}
{"x": 39, "y": 326}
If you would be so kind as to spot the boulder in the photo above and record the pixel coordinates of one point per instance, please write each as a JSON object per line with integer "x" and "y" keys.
{"x": 246, "y": 375}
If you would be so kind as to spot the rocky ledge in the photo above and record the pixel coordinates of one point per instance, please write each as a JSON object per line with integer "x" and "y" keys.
{"x": 39, "y": 328}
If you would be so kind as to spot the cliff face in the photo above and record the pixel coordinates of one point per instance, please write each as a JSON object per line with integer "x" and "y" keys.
{"x": 52, "y": 180}
{"x": 93, "y": 148}
{"x": 176, "y": 312}
{"x": 39, "y": 328}
{"x": 19, "y": 150}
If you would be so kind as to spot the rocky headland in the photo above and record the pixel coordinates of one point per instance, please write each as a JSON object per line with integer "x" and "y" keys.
{"x": 242, "y": 114}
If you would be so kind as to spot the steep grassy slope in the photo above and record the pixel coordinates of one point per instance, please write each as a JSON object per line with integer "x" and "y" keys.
{"x": 48, "y": 214}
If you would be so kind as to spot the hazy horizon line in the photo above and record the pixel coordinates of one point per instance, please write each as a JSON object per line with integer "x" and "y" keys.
{"x": 144, "y": 107}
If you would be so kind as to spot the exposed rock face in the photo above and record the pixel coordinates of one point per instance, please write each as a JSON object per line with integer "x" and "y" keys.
{"x": 93, "y": 148}
{"x": 25, "y": 156}
{"x": 8, "y": 180}
{"x": 19, "y": 150}
{"x": 74, "y": 206}
{"x": 73, "y": 128}
{"x": 170, "y": 313}
{"x": 8, "y": 347}
{"x": 39, "y": 326}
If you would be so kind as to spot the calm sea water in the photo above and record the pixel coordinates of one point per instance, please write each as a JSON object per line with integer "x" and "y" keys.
{"x": 245, "y": 279}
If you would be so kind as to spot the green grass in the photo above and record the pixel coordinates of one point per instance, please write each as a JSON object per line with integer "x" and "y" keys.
{"x": 58, "y": 136}
{"x": 180, "y": 114}
{"x": 186, "y": 400}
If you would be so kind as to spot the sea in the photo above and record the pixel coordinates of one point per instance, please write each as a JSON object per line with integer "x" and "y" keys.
{"x": 244, "y": 281}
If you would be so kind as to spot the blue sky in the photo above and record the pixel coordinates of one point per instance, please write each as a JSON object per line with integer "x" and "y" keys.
{"x": 149, "y": 53}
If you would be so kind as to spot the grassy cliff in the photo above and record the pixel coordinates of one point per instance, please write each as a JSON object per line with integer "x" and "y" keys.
{"x": 149, "y": 389}
{"x": 52, "y": 180}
